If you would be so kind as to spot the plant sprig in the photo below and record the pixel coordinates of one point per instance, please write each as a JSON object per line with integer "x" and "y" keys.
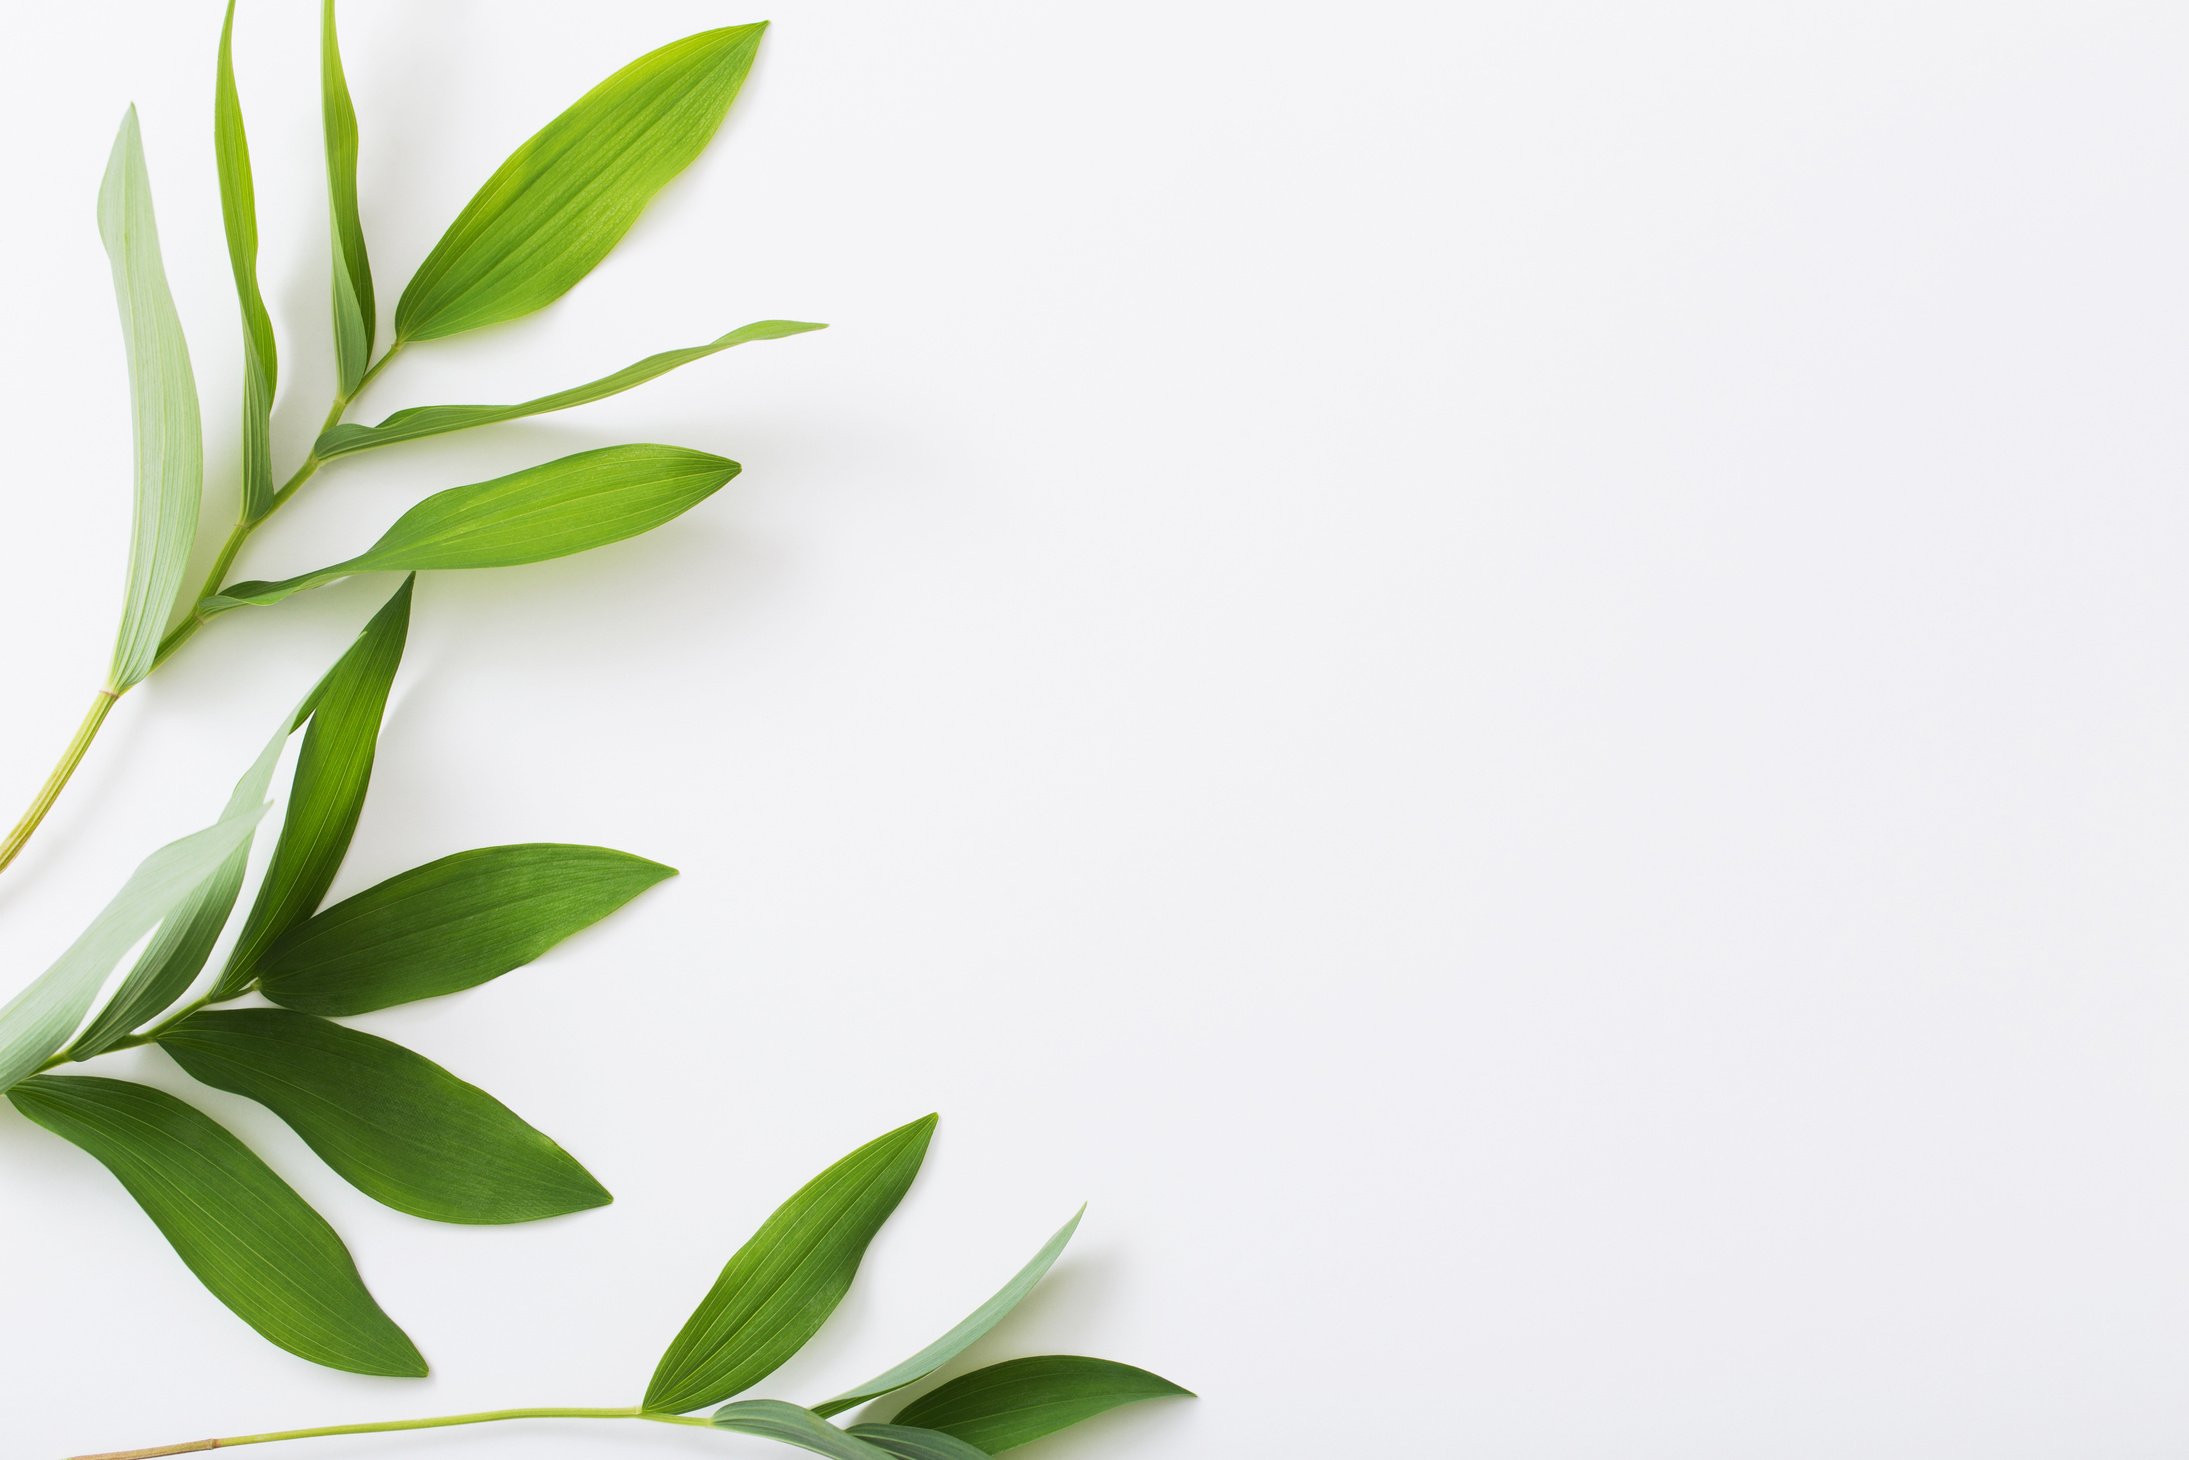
{"x": 774, "y": 1296}
{"x": 546, "y": 217}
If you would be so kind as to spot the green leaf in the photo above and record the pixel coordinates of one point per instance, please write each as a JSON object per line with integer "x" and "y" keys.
{"x": 239, "y": 215}
{"x": 965, "y": 1335}
{"x": 420, "y": 421}
{"x": 907, "y": 1443}
{"x": 393, "y": 1124}
{"x": 772, "y": 1419}
{"x": 354, "y": 309}
{"x": 39, "y": 1020}
{"x": 449, "y": 925}
{"x": 564, "y": 198}
{"x": 995, "y": 1409}
{"x": 174, "y": 959}
{"x": 333, "y": 772}
{"x": 249, "y": 1238}
{"x": 163, "y": 398}
{"x": 548, "y": 511}
{"x": 333, "y": 775}
{"x": 779, "y": 1289}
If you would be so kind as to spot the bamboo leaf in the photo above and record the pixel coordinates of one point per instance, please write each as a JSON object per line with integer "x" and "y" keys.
{"x": 772, "y": 1419}
{"x": 174, "y": 959}
{"x": 996, "y": 1409}
{"x": 39, "y": 1020}
{"x": 564, "y": 198}
{"x": 975, "y": 1327}
{"x": 392, "y": 1123}
{"x": 422, "y": 421}
{"x": 333, "y": 772}
{"x": 448, "y": 925}
{"x": 548, "y": 511}
{"x": 163, "y": 396}
{"x": 249, "y": 1238}
{"x": 908, "y": 1443}
{"x": 781, "y": 1286}
{"x": 354, "y": 310}
{"x": 239, "y": 215}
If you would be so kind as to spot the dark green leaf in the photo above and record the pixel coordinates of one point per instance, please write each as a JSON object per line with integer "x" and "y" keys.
{"x": 39, "y": 1020}
{"x": 965, "y": 1335}
{"x": 333, "y": 772}
{"x": 163, "y": 397}
{"x": 248, "y": 1237}
{"x": 779, "y": 1289}
{"x": 419, "y": 421}
{"x": 394, "y": 1124}
{"x": 239, "y": 214}
{"x": 997, "y": 1408}
{"x": 772, "y": 1419}
{"x": 549, "y": 511}
{"x": 564, "y": 198}
{"x": 354, "y": 309}
{"x": 449, "y": 925}
{"x": 907, "y": 1443}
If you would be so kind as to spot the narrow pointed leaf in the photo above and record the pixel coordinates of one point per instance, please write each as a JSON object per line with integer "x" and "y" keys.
{"x": 39, "y": 1020}
{"x": 249, "y": 1238}
{"x": 907, "y": 1443}
{"x": 448, "y": 925}
{"x": 787, "y": 1424}
{"x": 564, "y": 198}
{"x": 354, "y": 309}
{"x": 174, "y": 959}
{"x": 975, "y": 1327}
{"x": 239, "y": 214}
{"x": 163, "y": 398}
{"x": 779, "y": 1289}
{"x": 420, "y": 421}
{"x": 333, "y": 773}
{"x": 1012, "y": 1403}
{"x": 392, "y": 1123}
{"x": 549, "y": 511}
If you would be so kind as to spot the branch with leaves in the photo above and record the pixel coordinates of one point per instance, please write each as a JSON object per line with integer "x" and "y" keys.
{"x": 546, "y": 217}
{"x": 769, "y": 1302}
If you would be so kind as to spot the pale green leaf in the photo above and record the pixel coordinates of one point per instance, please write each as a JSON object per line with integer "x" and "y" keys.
{"x": 998, "y": 1408}
{"x": 548, "y": 511}
{"x": 163, "y": 397}
{"x": 420, "y": 421}
{"x": 975, "y": 1327}
{"x": 908, "y": 1443}
{"x": 564, "y": 198}
{"x": 448, "y": 925}
{"x": 249, "y": 1238}
{"x": 779, "y": 1289}
{"x": 174, "y": 958}
{"x": 787, "y": 1424}
{"x": 39, "y": 1020}
{"x": 239, "y": 215}
{"x": 354, "y": 309}
{"x": 392, "y": 1123}
{"x": 333, "y": 773}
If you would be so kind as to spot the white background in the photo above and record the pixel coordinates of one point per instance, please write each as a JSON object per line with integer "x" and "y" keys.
{"x": 1514, "y": 676}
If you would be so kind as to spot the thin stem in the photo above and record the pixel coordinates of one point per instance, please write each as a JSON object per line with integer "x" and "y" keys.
{"x": 382, "y": 1427}
{"x": 86, "y": 732}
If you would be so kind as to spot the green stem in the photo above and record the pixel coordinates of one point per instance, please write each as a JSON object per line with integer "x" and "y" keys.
{"x": 447, "y": 1421}
{"x": 86, "y": 732}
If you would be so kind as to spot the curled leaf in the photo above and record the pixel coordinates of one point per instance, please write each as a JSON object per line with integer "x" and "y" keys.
{"x": 787, "y": 1424}
{"x": 239, "y": 216}
{"x": 354, "y": 308}
{"x": 422, "y": 421}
